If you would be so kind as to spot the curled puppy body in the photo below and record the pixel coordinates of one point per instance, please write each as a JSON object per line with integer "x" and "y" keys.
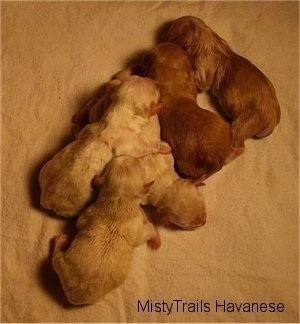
{"x": 99, "y": 258}
{"x": 178, "y": 200}
{"x": 246, "y": 95}
{"x": 201, "y": 141}
{"x": 65, "y": 180}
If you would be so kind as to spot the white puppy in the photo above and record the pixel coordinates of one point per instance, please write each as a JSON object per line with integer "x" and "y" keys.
{"x": 176, "y": 199}
{"x": 98, "y": 259}
{"x": 65, "y": 180}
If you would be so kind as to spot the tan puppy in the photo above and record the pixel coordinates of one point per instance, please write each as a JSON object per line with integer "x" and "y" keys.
{"x": 98, "y": 259}
{"x": 200, "y": 140}
{"x": 65, "y": 180}
{"x": 244, "y": 92}
{"x": 177, "y": 200}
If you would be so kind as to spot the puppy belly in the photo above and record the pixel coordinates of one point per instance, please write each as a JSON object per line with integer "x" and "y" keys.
{"x": 91, "y": 279}
{"x": 91, "y": 293}
{"x": 66, "y": 180}
{"x": 67, "y": 192}
{"x": 69, "y": 201}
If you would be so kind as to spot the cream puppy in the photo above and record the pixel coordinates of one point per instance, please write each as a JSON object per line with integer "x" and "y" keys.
{"x": 65, "y": 180}
{"x": 98, "y": 259}
{"x": 244, "y": 92}
{"x": 177, "y": 200}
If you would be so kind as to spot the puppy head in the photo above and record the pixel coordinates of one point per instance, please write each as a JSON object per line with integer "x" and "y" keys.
{"x": 141, "y": 95}
{"x": 185, "y": 31}
{"x": 123, "y": 176}
{"x": 193, "y": 35}
{"x": 183, "y": 205}
{"x": 166, "y": 54}
{"x": 171, "y": 66}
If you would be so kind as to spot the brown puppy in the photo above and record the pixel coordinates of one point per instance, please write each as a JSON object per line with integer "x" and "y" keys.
{"x": 244, "y": 92}
{"x": 200, "y": 140}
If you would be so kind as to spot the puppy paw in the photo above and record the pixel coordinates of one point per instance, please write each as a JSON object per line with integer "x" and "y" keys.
{"x": 199, "y": 182}
{"x": 166, "y": 221}
{"x": 164, "y": 148}
{"x": 61, "y": 240}
{"x": 235, "y": 152}
{"x": 155, "y": 242}
{"x": 98, "y": 181}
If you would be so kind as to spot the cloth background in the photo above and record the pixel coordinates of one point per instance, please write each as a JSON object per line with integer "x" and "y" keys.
{"x": 55, "y": 57}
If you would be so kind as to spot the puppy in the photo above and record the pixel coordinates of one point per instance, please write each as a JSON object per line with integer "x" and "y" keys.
{"x": 200, "y": 140}
{"x": 244, "y": 92}
{"x": 65, "y": 180}
{"x": 99, "y": 258}
{"x": 177, "y": 200}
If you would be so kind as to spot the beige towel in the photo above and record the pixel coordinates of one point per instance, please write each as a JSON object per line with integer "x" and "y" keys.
{"x": 55, "y": 57}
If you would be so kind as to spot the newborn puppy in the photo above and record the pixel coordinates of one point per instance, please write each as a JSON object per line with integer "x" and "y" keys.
{"x": 177, "y": 200}
{"x": 244, "y": 92}
{"x": 201, "y": 141}
{"x": 99, "y": 258}
{"x": 65, "y": 180}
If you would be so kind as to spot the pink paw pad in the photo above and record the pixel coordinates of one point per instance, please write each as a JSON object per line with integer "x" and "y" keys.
{"x": 61, "y": 240}
{"x": 154, "y": 243}
{"x": 165, "y": 148}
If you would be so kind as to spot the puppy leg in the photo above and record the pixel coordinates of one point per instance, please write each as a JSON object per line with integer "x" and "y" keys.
{"x": 235, "y": 152}
{"x": 142, "y": 148}
{"x": 81, "y": 118}
{"x": 60, "y": 243}
{"x": 150, "y": 147}
{"x": 138, "y": 69}
{"x": 149, "y": 234}
{"x": 265, "y": 132}
{"x": 97, "y": 111}
{"x": 243, "y": 127}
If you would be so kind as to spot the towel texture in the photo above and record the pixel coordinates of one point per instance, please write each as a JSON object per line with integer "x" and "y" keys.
{"x": 55, "y": 57}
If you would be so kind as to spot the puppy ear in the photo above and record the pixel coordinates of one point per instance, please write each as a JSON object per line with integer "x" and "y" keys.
{"x": 147, "y": 186}
{"x": 183, "y": 35}
{"x": 187, "y": 36}
{"x": 154, "y": 108}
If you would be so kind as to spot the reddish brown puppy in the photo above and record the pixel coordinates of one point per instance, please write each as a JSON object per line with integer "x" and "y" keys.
{"x": 200, "y": 140}
{"x": 244, "y": 92}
